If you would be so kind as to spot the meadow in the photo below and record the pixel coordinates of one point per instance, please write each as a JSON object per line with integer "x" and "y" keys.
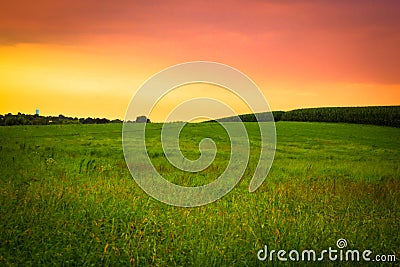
{"x": 67, "y": 197}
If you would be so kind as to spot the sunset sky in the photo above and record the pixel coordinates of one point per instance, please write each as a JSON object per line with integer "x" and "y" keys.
{"x": 87, "y": 58}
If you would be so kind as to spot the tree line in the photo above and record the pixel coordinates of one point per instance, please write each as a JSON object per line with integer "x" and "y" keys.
{"x": 28, "y": 119}
{"x": 376, "y": 115}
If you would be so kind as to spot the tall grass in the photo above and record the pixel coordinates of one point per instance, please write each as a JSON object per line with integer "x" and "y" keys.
{"x": 67, "y": 197}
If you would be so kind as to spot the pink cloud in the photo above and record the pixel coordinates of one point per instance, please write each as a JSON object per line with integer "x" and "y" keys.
{"x": 355, "y": 40}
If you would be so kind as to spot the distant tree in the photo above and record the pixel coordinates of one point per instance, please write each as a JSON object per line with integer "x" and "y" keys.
{"x": 142, "y": 119}
{"x": 277, "y": 115}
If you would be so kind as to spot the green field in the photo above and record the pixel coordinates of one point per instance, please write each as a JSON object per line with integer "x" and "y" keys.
{"x": 67, "y": 197}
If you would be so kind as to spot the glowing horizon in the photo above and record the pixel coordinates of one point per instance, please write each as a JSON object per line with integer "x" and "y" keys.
{"x": 87, "y": 59}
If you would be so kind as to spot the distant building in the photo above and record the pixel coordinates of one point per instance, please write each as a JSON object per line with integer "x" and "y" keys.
{"x": 37, "y": 112}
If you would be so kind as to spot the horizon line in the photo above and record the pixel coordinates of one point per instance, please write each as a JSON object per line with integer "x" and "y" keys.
{"x": 123, "y": 119}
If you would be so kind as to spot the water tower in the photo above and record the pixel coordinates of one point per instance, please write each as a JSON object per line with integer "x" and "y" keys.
{"x": 37, "y": 112}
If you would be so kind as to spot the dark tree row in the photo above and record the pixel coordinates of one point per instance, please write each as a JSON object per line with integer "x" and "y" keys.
{"x": 378, "y": 115}
{"x": 28, "y": 119}
{"x": 265, "y": 116}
